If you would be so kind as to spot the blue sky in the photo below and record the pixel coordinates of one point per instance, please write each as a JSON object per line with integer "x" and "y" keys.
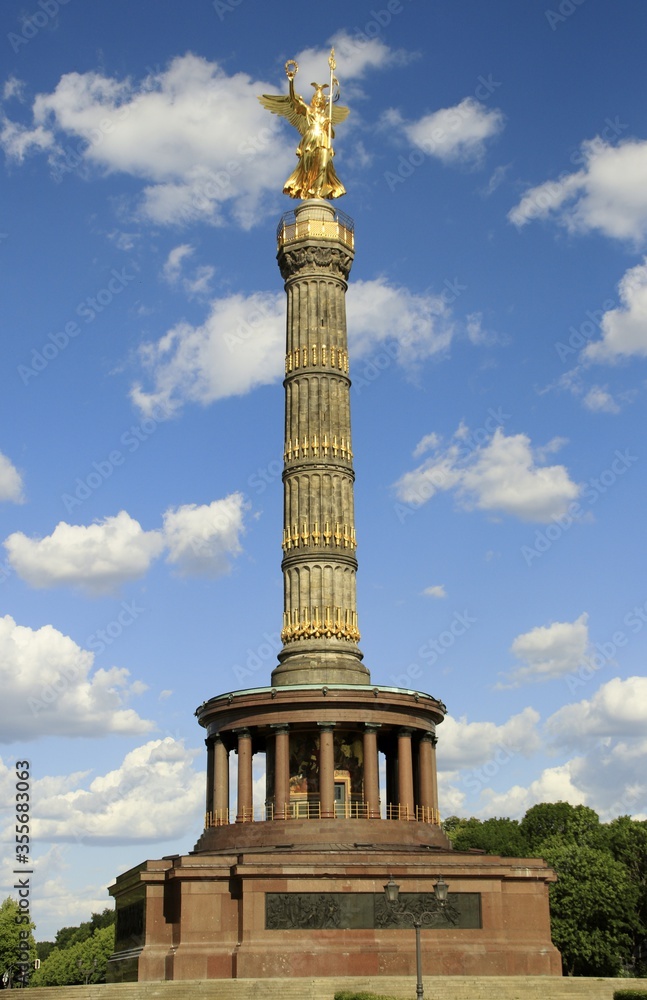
{"x": 494, "y": 160}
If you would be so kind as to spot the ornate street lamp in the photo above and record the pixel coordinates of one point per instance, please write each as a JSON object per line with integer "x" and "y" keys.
{"x": 87, "y": 971}
{"x": 392, "y": 892}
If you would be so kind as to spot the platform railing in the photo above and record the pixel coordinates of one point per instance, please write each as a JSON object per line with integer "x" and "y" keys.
{"x": 291, "y": 228}
{"x": 311, "y": 809}
{"x": 351, "y": 810}
{"x": 419, "y": 814}
{"x": 219, "y": 817}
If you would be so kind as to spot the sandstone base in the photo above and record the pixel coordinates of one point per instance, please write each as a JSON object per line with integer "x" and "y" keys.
{"x": 205, "y": 915}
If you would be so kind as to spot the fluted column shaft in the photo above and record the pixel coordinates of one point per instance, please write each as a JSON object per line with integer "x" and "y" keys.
{"x": 426, "y": 770}
{"x": 210, "y": 783}
{"x": 405, "y": 774}
{"x": 220, "y": 782}
{"x": 281, "y": 772}
{"x": 245, "y": 811}
{"x": 320, "y": 629}
{"x": 371, "y": 772}
{"x": 434, "y": 777}
{"x": 327, "y": 771}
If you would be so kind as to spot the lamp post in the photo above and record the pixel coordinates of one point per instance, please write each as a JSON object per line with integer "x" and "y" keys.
{"x": 87, "y": 971}
{"x": 392, "y": 892}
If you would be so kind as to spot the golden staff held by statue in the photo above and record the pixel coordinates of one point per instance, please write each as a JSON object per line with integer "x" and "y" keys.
{"x": 315, "y": 175}
{"x": 333, "y": 65}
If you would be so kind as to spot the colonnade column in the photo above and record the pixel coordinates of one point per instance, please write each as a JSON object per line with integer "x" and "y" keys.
{"x": 327, "y": 770}
{"x": 371, "y": 774}
{"x": 210, "y": 788}
{"x": 245, "y": 812}
{"x": 391, "y": 779}
{"x": 427, "y": 772}
{"x": 434, "y": 778}
{"x": 405, "y": 775}
{"x": 220, "y": 793}
{"x": 281, "y": 770}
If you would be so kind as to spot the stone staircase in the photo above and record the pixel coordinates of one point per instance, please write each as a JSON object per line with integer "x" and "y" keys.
{"x": 436, "y": 988}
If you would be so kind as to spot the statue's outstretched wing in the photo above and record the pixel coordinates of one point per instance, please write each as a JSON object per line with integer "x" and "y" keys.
{"x": 339, "y": 113}
{"x": 294, "y": 111}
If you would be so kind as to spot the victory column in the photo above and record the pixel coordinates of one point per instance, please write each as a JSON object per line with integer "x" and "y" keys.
{"x": 295, "y": 887}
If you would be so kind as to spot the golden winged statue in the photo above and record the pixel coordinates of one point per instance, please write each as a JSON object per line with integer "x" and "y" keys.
{"x": 315, "y": 175}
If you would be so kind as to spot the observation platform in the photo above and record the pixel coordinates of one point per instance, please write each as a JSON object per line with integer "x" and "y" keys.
{"x": 322, "y": 223}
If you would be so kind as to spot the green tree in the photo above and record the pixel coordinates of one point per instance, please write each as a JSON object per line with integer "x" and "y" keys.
{"x": 572, "y": 824}
{"x": 107, "y": 918}
{"x": 452, "y": 824}
{"x": 598, "y": 906}
{"x": 68, "y": 936}
{"x": 81, "y": 962}
{"x": 494, "y": 836}
{"x": 17, "y": 945}
{"x": 592, "y": 908}
{"x": 626, "y": 839}
{"x": 43, "y": 949}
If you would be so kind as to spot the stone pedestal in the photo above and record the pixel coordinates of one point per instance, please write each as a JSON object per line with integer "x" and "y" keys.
{"x": 295, "y": 887}
{"x": 319, "y": 911}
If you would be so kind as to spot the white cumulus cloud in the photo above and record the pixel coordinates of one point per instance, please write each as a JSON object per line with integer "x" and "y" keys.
{"x": 19, "y": 141}
{"x": 174, "y": 263}
{"x": 607, "y": 194}
{"x": 241, "y": 343}
{"x": 202, "y": 540}
{"x": 504, "y": 475}
{"x": 154, "y": 795}
{"x": 555, "y": 784}
{"x": 196, "y": 137}
{"x": 453, "y": 135}
{"x": 607, "y": 732}
{"x": 598, "y": 399}
{"x": 49, "y": 688}
{"x": 549, "y": 651}
{"x": 356, "y": 55}
{"x": 97, "y": 558}
{"x": 623, "y": 329}
{"x": 11, "y": 484}
{"x": 427, "y": 443}
{"x": 195, "y": 284}
{"x": 418, "y": 326}
{"x": 463, "y": 744}
{"x": 617, "y": 709}
{"x": 238, "y": 347}
{"x": 608, "y": 778}
{"x": 13, "y": 88}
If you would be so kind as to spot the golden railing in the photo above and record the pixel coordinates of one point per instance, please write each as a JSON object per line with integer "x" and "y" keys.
{"x": 419, "y": 814}
{"x": 311, "y": 809}
{"x": 219, "y": 817}
{"x": 340, "y": 228}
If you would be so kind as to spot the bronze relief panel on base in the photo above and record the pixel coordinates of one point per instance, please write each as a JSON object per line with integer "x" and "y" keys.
{"x": 367, "y": 910}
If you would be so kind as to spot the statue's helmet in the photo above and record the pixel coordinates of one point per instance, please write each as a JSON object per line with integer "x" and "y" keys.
{"x": 319, "y": 98}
